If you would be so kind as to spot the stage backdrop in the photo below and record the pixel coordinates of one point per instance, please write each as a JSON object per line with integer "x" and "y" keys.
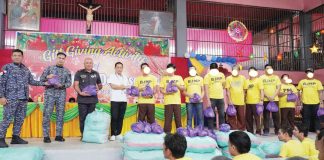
{"x": 41, "y": 49}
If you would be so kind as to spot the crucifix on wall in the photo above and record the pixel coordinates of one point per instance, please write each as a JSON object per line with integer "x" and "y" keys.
{"x": 90, "y": 8}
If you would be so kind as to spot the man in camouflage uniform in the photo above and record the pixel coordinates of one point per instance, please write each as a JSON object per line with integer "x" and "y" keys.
{"x": 14, "y": 89}
{"x": 55, "y": 95}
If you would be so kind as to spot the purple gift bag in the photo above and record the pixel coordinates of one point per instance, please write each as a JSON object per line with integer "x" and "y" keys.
{"x": 148, "y": 91}
{"x": 209, "y": 113}
{"x": 320, "y": 112}
{"x": 156, "y": 128}
{"x": 292, "y": 97}
{"x": 224, "y": 127}
{"x": 195, "y": 99}
{"x": 90, "y": 89}
{"x": 147, "y": 127}
{"x": 272, "y": 107}
{"x": 182, "y": 131}
{"x": 171, "y": 88}
{"x": 138, "y": 127}
{"x": 259, "y": 109}
{"x": 55, "y": 80}
{"x": 231, "y": 111}
{"x": 133, "y": 91}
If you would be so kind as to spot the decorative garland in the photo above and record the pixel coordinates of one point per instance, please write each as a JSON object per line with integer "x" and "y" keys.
{"x": 73, "y": 112}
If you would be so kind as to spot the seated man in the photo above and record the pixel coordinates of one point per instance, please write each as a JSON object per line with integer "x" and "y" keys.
{"x": 174, "y": 147}
{"x": 291, "y": 147}
{"x": 239, "y": 146}
{"x": 319, "y": 144}
{"x": 301, "y": 132}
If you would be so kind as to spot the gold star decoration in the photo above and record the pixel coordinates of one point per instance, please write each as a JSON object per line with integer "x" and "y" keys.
{"x": 314, "y": 49}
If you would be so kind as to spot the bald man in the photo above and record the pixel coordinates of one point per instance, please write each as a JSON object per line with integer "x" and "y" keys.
{"x": 86, "y": 102}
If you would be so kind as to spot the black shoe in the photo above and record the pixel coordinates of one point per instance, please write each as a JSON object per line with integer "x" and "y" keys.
{"x": 59, "y": 138}
{"x": 3, "y": 143}
{"x": 47, "y": 140}
{"x": 17, "y": 140}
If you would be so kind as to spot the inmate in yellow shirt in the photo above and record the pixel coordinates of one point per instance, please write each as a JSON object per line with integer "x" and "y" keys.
{"x": 246, "y": 156}
{"x": 283, "y": 100}
{"x": 253, "y": 90}
{"x": 310, "y": 90}
{"x": 193, "y": 85}
{"x": 215, "y": 85}
{"x": 292, "y": 148}
{"x": 141, "y": 82}
{"x": 236, "y": 88}
{"x": 309, "y": 148}
{"x": 174, "y": 98}
{"x": 270, "y": 84}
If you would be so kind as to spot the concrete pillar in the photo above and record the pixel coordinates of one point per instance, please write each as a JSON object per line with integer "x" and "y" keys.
{"x": 181, "y": 27}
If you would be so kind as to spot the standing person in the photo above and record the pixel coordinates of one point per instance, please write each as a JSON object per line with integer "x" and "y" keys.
{"x": 55, "y": 95}
{"x": 301, "y": 132}
{"x": 14, "y": 90}
{"x": 235, "y": 95}
{"x": 254, "y": 95}
{"x": 194, "y": 85}
{"x": 118, "y": 83}
{"x": 310, "y": 96}
{"x": 172, "y": 101}
{"x": 287, "y": 109}
{"x": 86, "y": 102}
{"x": 271, "y": 85}
{"x": 240, "y": 145}
{"x": 146, "y": 104}
{"x": 214, "y": 83}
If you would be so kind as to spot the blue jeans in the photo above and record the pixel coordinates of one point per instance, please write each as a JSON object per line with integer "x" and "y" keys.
{"x": 219, "y": 105}
{"x": 195, "y": 108}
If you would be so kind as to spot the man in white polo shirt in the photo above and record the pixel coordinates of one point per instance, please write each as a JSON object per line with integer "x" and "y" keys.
{"x": 118, "y": 99}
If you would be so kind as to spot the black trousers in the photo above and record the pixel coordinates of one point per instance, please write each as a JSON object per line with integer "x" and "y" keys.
{"x": 117, "y": 111}
{"x": 309, "y": 113}
{"x": 84, "y": 110}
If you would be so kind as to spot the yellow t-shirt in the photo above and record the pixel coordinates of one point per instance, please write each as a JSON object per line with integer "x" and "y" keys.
{"x": 292, "y": 148}
{"x": 270, "y": 84}
{"x": 141, "y": 82}
{"x": 174, "y": 98}
{"x": 310, "y": 90}
{"x": 253, "y": 90}
{"x": 193, "y": 85}
{"x": 283, "y": 100}
{"x": 184, "y": 158}
{"x": 236, "y": 88}
{"x": 215, "y": 85}
{"x": 246, "y": 156}
{"x": 309, "y": 148}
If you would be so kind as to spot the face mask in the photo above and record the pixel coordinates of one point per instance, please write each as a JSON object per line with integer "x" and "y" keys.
{"x": 285, "y": 78}
{"x": 147, "y": 70}
{"x": 253, "y": 73}
{"x": 192, "y": 72}
{"x": 234, "y": 72}
{"x": 170, "y": 70}
{"x": 214, "y": 72}
{"x": 310, "y": 75}
{"x": 288, "y": 81}
{"x": 270, "y": 71}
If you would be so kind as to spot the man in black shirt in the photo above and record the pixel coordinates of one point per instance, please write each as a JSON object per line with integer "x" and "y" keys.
{"x": 86, "y": 100}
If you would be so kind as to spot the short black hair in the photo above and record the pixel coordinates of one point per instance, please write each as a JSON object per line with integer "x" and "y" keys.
{"x": 267, "y": 65}
{"x": 144, "y": 64}
{"x": 177, "y": 144}
{"x": 296, "y": 158}
{"x": 288, "y": 130}
{"x": 302, "y": 128}
{"x": 213, "y": 66}
{"x": 241, "y": 141}
{"x": 118, "y": 63}
{"x": 220, "y": 158}
{"x": 320, "y": 135}
{"x": 252, "y": 68}
{"x": 61, "y": 53}
{"x": 171, "y": 65}
{"x": 18, "y": 50}
{"x": 282, "y": 76}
